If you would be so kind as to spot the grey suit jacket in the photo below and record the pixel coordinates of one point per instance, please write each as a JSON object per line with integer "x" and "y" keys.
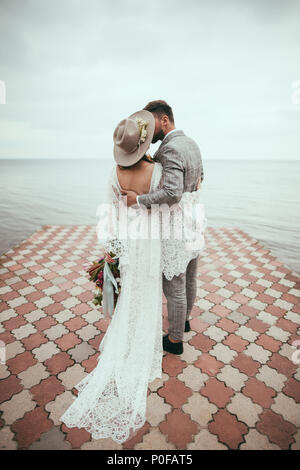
{"x": 182, "y": 167}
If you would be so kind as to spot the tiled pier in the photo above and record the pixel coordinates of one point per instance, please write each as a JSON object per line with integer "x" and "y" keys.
{"x": 236, "y": 385}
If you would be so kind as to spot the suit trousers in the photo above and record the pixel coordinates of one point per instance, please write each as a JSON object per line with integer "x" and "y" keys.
{"x": 180, "y": 293}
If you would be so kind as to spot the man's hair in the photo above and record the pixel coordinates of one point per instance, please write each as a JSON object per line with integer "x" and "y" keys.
{"x": 160, "y": 108}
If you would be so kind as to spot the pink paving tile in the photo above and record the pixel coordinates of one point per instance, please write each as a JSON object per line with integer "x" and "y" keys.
{"x": 33, "y": 296}
{"x": 14, "y": 323}
{"x": 179, "y": 428}
{"x": 292, "y": 389}
{"x": 90, "y": 363}
{"x": 198, "y": 325}
{"x": 282, "y": 364}
{"x": 259, "y": 392}
{"x": 228, "y": 428}
{"x": 278, "y": 430}
{"x": 25, "y": 308}
{"x": 31, "y": 426}
{"x": 34, "y": 341}
{"x": 7, "y": 337}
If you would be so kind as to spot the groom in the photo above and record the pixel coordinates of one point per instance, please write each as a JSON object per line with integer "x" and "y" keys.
{"x": 182, "y": 168}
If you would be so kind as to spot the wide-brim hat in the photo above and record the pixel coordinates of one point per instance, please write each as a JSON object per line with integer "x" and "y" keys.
{"x": 132, "y": 137}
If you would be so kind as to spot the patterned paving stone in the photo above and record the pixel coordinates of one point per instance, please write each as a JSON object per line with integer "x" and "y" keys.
{"x": 154, "y": 440}
{"x": 200, "y": 409}
{"x": 33, "y": 375}
{"x": 7, "y": 439}
{"x": 208, "y": 364}
{"x": 259, "y": 392}
{"x": 232, "y": 377}
{"x": 179, "y": 428}
{"x": 59, "y": 405}
{"x": 223, "y": 353}
{"x": 245, "y": 410}
{"x": 72, "y": 376}
{"x": 228, "y": 428}
{"x": 15, "y": 408}
{"x": 204, "y": 440}
{"x": 76, "y": 437}
{"x": 215, "y": 333}
{"x": 217, "y": 392}
{"x": 278, "y": 431}
{"x": 81, "y": 352}
{"x": 101, "y": 444}
{"x": 51, "y": 440}
{"x": 256, "y": 441}
{"x": 288, "y": 408}
{"x": 193, "y": 378}
{"x": 175, "y": 392}
{"x": 46, "y": 390}
{"x": 157, "y": 409}
{"x": 29, "y": 429}
{"x": 271, "y": 377}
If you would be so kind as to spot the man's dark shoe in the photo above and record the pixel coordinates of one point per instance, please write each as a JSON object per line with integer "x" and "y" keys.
{"x": 174, "y": 348}
{"x": 187, "y": 326}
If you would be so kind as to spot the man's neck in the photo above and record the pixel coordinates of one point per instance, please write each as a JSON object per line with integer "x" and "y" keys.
{"x": 170, "y": 130}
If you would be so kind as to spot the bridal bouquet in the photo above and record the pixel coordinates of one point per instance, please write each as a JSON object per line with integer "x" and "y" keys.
{"x": 106, "y": 277}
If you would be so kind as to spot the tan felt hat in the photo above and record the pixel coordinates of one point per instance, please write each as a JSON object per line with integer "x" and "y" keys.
{"x": 132, "y": 137}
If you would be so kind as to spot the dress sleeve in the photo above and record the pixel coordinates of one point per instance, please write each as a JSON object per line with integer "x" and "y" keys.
{"x": 108, "y": 227}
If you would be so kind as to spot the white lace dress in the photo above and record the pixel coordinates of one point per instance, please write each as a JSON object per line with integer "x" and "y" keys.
{"x": 112, "y": 399}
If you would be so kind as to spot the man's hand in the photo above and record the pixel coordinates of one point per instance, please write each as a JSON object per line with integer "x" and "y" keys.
{"x": 131, "y": 197}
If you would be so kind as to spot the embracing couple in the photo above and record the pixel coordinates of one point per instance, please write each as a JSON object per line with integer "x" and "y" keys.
{"x": 112, "y": 399}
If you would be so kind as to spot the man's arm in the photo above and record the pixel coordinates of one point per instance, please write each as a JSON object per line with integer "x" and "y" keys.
{"x": 172, "y": 188}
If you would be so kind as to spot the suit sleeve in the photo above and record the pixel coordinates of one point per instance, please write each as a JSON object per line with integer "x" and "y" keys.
{"x": 172, "y": 188}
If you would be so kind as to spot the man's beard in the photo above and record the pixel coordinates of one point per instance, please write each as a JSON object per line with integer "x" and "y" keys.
{"x": 158, "y": 136}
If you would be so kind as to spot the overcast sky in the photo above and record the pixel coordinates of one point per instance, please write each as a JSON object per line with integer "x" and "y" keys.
{"x": 74, "y": 68}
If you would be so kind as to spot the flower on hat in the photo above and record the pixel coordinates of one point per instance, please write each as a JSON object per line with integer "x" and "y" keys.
{"x": 142, "y": 128}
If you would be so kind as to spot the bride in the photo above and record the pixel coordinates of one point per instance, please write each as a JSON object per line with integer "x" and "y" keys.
{"x": 112, "y": 399}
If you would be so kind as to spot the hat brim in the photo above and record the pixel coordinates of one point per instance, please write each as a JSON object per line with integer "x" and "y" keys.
{"x": 127, "y": 159}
